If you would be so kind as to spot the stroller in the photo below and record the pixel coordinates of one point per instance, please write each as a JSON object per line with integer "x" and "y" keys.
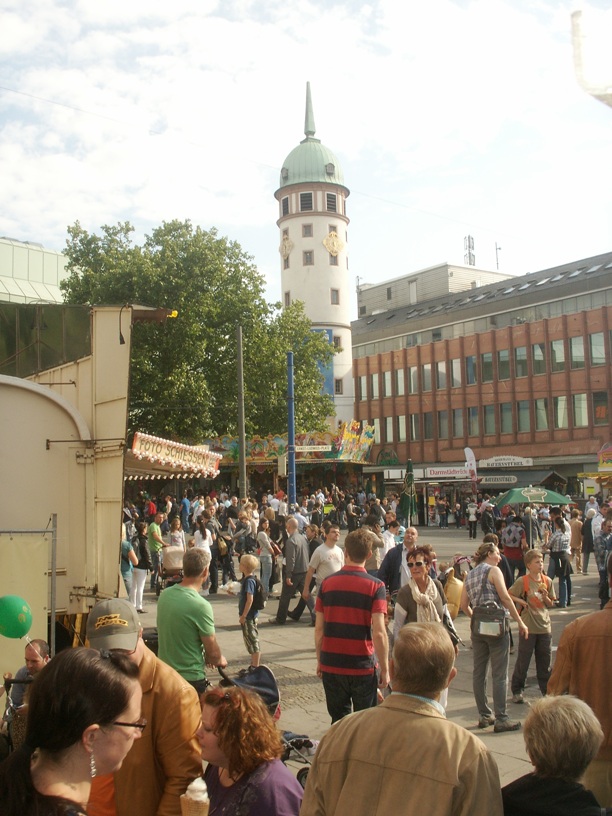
{"x": 171, "y": 568}
{"x": 297, "y": 747}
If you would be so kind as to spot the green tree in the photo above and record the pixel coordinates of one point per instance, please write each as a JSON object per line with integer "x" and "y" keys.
{"x": 183, "y": 373}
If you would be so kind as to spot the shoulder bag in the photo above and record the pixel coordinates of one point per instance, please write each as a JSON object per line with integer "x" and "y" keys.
{"x": 489, "y": 619}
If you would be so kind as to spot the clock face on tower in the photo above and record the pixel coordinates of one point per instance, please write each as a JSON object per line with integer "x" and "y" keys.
{"x": 285, "y": 247}
{"x": 333, "y": 244}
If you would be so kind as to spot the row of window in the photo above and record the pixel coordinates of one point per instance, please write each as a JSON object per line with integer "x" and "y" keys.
{"x": 334, "y": 298}
{"x": 504, "y": 418}
{"x": 307, "y": 203}
{"x": 308, "y": 259}
{"x": 489, "y": 368}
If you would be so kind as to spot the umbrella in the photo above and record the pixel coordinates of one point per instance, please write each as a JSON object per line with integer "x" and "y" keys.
{"x": 408, "y": 499}
{"x": 529, "y": 495}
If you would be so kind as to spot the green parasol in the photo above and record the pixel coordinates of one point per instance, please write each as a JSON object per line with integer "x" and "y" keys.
{"x": 408, "y": 499}
{"x": 529, "y": 495}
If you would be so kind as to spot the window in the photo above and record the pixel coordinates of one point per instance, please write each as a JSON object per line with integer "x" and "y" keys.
{"x": 538, "y": 358}
{"x": 401, "y": 428}
{"x": 470, "y": 370}
{"x": 387, "y": 384}
{"x": 337, "y": 341}
{"x": 428, "y": 432}
{"x": 332, "y": 202}
{"x": 579, "y": 407}
{"x": 373, "y": 386}
{"x": 576, "y": 352}
{"x": 522, "y": 416}
{"x": 413, "y": 380}
{"x": 332, "y": 228}
{"x": 560, "y": 412}
{"x": 306, "y": 230}
{"x": 285, "y": 233}
{"x": 414, "y": 427}
{"x": 520, "y": 361}
{"x": 389, "y": 295}
{"x": 473, "y": 425}
{"x": 486, "y": 367}
{"x": 286, "y": 262}
{"x": 376, "y": 425}
{"x": 505, "y": 417}
{"x": 285, "y": 206}
{"x": 426, "y": 377}
{"x": 503, "y": 364}
{"x": 389, "y": 429}
{"x": 338, "y": 387}
{"x": 305, "y": 202}
{"x": 597, "y": 349}
{"x": 600, "y": 408}
{"x": 363, "y": 388}
{"x": 308, "y": 257}
{"x": 399, "y": 382}
{"x": 557, "y": 355}
{"x": 287, "y": 299}
{"x": 335, "y": 297}
{"x": 458, "y": 422}
{"x": 442, "y": 424}
{"x": 541, "y": 414}
{"x": 456, "y": 373}
{"x": 362, "y": 311}
{"x": 333, "y": 260}
{"x": 489, "y": 419}
{"x": 441, "y": 374}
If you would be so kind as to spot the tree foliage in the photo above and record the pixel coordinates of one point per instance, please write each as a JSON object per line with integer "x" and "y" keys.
{"x": 183, "y": 373}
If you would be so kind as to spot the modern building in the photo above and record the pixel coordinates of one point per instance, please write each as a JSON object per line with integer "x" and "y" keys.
{"x": 313, "y": 228}
{"x": 30, "y": 273}
{"x": 514, "y": 368}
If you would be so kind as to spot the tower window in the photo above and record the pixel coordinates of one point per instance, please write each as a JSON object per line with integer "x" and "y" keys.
{"x": 285, "y": 233}
{"x": 285, "y": 205}
{"x": 308, "y": 257}
{"x": 287, "y": 299}
{"x": 337, "y": 341}
{"x": 305, "y": 202}
{"x": 338, "y": 387}
{"x": 332, "y": 228}
{"x": 330, "y": 169}
{"x": 332, "y": 202}
{"x": 333, "y": 260}
{"x": 335, "y": 297}
{"x": 286, "y": 262}
{"x": 306, "y": 230}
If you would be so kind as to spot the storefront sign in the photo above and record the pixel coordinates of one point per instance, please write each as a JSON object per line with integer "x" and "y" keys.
{"x": 175, "y": 454}
{"x": 447, "y": 473}
{"x": 505, "y": 462}
{"x": 498, "y": 480}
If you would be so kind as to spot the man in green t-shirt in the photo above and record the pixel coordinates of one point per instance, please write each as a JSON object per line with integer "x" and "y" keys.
{"x": 185, "y": 624}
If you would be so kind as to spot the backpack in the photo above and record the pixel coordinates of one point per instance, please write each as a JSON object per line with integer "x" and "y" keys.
{"x": 260, "y": 597}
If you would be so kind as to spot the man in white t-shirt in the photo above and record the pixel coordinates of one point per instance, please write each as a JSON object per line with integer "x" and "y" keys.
{"x": 327, "y": 559}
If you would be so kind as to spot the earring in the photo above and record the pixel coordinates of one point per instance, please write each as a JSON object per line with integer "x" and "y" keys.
{"x": 92, "y": 765}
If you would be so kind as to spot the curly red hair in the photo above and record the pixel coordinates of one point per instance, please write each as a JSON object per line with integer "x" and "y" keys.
{"x": 245, "y": 730}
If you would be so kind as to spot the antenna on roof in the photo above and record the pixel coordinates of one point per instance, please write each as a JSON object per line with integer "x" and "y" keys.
{"x": 469, "y": 258}
{"x": 497, "y": 251}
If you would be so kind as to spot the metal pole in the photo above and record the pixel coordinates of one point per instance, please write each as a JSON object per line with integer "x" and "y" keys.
{"x": 291, "y": 488}
{"x": 243, "y": 486}
{"x": 53, "y": 582}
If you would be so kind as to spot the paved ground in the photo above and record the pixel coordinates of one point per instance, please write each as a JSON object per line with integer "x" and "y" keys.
{"x": 289, "y": 651}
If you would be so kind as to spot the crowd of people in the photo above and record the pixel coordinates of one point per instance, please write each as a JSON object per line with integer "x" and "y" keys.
{"x": 116, "y": 730}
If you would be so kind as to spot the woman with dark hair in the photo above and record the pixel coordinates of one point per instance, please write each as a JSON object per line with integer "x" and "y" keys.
{"x": 140, "y": 543}
{"x": 560, "y": 565}
{"x": 83, "y": 716}
{"x": 422, "y": 598}
{"x": 242, "y": 746}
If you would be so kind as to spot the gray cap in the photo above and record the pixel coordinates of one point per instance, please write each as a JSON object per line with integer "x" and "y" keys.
{"x": 113, "y": 624}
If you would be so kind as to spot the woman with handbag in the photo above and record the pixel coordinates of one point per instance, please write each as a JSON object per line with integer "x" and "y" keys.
{"x": 267, "y": 551}
{"x": 485, "y": 595}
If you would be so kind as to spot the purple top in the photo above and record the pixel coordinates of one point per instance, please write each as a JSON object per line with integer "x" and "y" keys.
{"x": 270, "y": 790}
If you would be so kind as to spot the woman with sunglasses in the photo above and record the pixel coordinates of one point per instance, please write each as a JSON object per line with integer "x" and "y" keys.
{"x": 242, "y": 746}
{"x": 421, "y": 599}
{"x": 83, "y": 717}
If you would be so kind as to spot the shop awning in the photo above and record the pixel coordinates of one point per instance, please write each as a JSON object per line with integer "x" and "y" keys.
{"x": 154, "y": 458}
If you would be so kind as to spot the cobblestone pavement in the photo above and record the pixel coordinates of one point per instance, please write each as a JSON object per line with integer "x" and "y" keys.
{"x": 289, "y": 652}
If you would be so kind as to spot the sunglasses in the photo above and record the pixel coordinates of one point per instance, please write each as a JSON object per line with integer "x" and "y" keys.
{"x": 412, "y": 564}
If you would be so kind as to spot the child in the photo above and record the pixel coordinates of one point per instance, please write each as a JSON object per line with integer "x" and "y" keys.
{"x": 534, "y": 592}
{"x": 248, "y": 615}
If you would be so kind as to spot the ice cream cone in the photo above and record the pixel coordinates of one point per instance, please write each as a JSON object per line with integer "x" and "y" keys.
{"x": 189, "y": 807}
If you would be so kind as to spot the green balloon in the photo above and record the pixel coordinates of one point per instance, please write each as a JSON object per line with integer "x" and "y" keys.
{"x": 15, "y": 616}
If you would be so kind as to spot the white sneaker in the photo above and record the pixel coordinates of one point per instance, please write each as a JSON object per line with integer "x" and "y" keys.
{"x": 518, "y": 698}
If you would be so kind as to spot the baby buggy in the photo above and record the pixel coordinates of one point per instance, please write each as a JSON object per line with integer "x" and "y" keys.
{"x": 297, "y": 747}
{"x": 171, "y": 568}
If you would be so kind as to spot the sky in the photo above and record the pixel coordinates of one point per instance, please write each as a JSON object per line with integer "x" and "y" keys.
{"x": 449, "y": 118}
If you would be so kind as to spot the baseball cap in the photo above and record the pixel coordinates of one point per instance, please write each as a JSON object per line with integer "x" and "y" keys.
{"x": 113, "y": 624}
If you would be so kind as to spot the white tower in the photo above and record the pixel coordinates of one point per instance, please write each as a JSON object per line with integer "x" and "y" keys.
{"x": 313, "y": 248}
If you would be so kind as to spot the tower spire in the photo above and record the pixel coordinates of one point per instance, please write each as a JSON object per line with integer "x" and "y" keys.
{"x": 309, "y": 122}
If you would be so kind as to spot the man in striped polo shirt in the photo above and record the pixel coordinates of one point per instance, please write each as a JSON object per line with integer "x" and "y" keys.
{"x": 350, "y": 634}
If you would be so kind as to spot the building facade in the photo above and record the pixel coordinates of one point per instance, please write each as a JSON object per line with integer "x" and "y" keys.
{"x": 313, "y": 228}
{"x": 30, "y": 273}
{"x": 520, "y": 367}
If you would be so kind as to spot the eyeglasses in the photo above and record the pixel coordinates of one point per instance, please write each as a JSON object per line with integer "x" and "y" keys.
{"x": 140, "y": 724}
{"x": 413, "y": 564}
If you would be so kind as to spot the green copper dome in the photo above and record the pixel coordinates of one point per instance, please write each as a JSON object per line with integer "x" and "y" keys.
{"x": 310, "y": 160}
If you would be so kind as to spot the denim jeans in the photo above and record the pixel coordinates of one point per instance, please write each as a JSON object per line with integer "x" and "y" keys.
{"x": 542, "y": 645}
{"x": 156, "y": 566}
{"x": 265, "y": 565}
{"x": 496, "y": 652}
{"x": 517, "y": 564}
{"x": 345, "y": 693}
